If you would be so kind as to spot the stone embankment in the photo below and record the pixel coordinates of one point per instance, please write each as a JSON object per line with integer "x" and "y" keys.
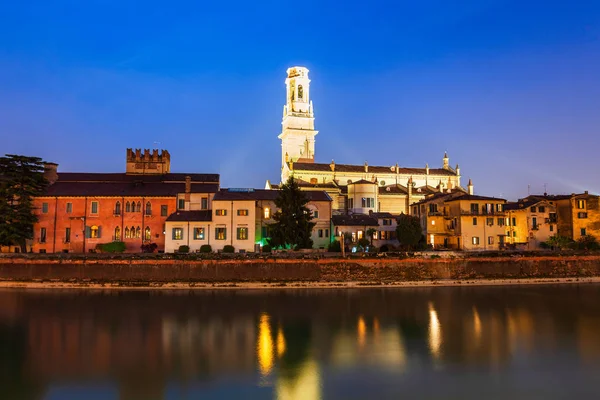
{"x": 135, "y": 271}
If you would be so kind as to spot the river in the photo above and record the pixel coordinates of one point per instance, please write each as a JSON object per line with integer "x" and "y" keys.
{"x": 509, "y": 342}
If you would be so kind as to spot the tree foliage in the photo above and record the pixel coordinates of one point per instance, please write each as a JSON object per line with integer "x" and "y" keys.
{"x": 21, "y": 179}
{"x": 408, "y": 231}
{"x": 293, "y": 227}
{"x": 370, "y": 233}
{"x": 558, "y": 242}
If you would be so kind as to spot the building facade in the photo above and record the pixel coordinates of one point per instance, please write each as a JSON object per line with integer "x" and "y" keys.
{"x": 530, "y": 222}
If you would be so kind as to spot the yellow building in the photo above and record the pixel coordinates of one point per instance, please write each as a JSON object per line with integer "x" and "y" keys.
{"x": 464, "y": 221}
{"x": 530, "y": 222}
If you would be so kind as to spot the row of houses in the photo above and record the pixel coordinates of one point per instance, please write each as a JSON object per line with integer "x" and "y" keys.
{"x": 150, "y": 205}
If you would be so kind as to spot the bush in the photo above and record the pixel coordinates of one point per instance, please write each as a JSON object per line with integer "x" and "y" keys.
{"x": 112, "y": 247}
{"x": 228, "y": 249}
{"x": 334, "y": 246}
{"x": 384, "y": 248}
{"x": 363, "y": 243}
{"x": 205, "y": 248}
{"x": 587, "y": 242}
{"x": 149, "y": 247}
{"x": 266, "y": 248}
{"x": 183, "y": 249}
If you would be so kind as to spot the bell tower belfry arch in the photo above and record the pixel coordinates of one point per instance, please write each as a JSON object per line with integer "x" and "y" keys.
{"x": 298, "y": 123}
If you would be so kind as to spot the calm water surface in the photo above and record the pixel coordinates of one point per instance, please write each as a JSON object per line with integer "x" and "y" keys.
{"x": 531, "y": 342}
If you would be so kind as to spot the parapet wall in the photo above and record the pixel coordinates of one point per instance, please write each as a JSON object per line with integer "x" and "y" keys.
{"x": 367, "y": 270}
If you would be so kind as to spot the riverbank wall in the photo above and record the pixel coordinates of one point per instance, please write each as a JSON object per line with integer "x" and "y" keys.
{"x": 132, "y": 271}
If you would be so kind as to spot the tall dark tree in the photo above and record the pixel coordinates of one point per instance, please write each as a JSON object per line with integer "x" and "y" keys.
{"x": 408, "y": 231}
{"x": 293, "y": 227}
{"x": 21, "y": 179}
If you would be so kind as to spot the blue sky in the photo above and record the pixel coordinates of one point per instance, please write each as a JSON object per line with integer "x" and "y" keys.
{"x": 509, "y": 88}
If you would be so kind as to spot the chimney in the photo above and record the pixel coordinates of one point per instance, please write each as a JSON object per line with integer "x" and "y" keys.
{"x": 51, "y": 172}
{"x": 188, "y": 188}
{"x": 470, "y": 187}
{"x": 426, "y": 169}
{"x": 457, "y": 170}
{"x": 366, "y": 167}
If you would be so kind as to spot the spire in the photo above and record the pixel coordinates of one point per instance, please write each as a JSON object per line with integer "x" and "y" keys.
{"x": 446, "y": 161}
{"x": 470, "y": 187}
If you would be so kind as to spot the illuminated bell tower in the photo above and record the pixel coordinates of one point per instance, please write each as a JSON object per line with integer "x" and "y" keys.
{"x": 298, "y": 124}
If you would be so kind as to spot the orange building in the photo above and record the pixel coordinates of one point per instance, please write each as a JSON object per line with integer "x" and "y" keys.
{"x": 81, "y": 210}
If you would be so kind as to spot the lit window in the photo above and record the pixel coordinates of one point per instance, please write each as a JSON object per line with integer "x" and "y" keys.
{"x": 242, "y": 233}
{"x": 475, "y": 240}
{"x": 581, "y": 204}
{"x": 147, "y": 233}
{"x": 490, "y": 240}
{"x": 177, "y": 233}
{"x": 242, "y": 213}
{"x": 432, "y": 222}
{"x": 220, "y": 233}
{"x": 221, "y": 212}
{"x": 267, "y": 213}
{"x": 94, "y": 231}
{"x": 127, "y": 233}
{"x": 94, "y": 207}
{"x": 117, "y": 234}
{"x": 138, "y": 232}
{"x": 198, "y": 233}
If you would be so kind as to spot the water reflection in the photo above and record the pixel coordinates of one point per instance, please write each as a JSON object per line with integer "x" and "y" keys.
{"x": 300, "y": 344}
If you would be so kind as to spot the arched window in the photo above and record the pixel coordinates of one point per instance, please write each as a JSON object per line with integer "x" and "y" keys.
{"x": 267, "y": 213}
{"x": 300, "y": 92}
{"x": 147, "y": 233}
{"x": 118, "y": 208}
{"x": 127, "y": 207}
{"x": 94, "y": 231}
{"x": 148, "y": 208}
{"x": 138, "y": 232}
{"x": 132, "y": 232}
{"x": 127, "y": 234}
{"x": 117, "y": 234}
{"x": 138, "y": 207}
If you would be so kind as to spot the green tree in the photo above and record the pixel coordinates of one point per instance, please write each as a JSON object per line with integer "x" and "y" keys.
{"x": 370, "y": 233}
{"x": 21, "y": 179}
{"x": 558, "y": 242}
{"x": 408, "y": 231}
{"x": 292, "y": 227}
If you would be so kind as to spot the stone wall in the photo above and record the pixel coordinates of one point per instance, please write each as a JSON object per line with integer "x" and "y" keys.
{"x": 365, "y": 270}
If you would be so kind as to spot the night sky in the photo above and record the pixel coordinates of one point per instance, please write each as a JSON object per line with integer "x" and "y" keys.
{"x": 510, "y": 89}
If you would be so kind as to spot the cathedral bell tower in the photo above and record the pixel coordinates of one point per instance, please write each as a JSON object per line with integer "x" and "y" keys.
{"x": 298, "y": 124}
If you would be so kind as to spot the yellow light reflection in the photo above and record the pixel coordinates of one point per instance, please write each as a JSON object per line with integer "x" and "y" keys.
{"x": 435, "y": 332}
{"x": 264, "y": 345}
{"x": 477, "y": 325}
{"x": 361, "y": 331}
{"x": 280, "y": 343}
{"x": 375, "y": 327}
{"x": 305, "y": 385}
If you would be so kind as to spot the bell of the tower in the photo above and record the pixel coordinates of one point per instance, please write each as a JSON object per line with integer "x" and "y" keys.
{"x": 298, "y": 124}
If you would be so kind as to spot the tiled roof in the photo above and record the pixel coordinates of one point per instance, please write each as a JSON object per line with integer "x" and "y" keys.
{"x": 264, "y": 194}
{"x": 354, "y": 220}
{"x": 475, "y": 197}
{"x": 122, "y": 177}
{"x": 380, "y": 215}
{"x": 372, "y": 169}
{"x": 127, "y": 189}
{"x": 393, "y": 189}
{"x": 194, "y": 215}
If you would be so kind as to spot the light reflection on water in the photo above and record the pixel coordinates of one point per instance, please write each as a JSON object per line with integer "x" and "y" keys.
{"x": 302, "y": 344}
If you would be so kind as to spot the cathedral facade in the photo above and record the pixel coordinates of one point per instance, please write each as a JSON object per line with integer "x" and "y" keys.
{"x": 355, "y": 188}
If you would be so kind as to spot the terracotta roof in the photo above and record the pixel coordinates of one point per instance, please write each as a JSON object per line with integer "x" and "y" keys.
{"x": 372, "y": 169}
{"x": 380, "y": 215}
{"x": 354, "y": 220}
{"x": 393, "y": 189}
{"x": 194, "y": 215}
{"x": 127, "y": 189}
{"x": 475, "y": 197}
{"x": 264, "y": 194}
{"x": 122, "y": 177}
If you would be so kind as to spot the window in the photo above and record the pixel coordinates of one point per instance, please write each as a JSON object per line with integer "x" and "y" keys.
{"x": 551, "y": 228}
{"x": 433, "y": 208}
{"x": 541, "y": 209}
{"x": 267, "y": 213}
{"x": 350, "y": 203}
{"x": 514, "y": 233}
{"x": 177, "y": 233}
{"x": 514, "y": 221}
{"x": 581, "y": 204}
{"x": 94, "y": 207}
{"x": 242, "y": 233}
{"x": 68, "y": 235}
{"x": 127, "y": 233}
{"x": 474, "y": 220}
{"x": 583, "y": 232}
{"x": 533, "y": 209}
{"x": 490, "y": 240}
{"x": 552, "y": 217}
{"x": 315, "y": 214}
{"x": 242, "y": 213}
{"x": 127, "y": 207}
{"x": 220, "y": 233}
{"x": 42, "y": 251}
{"x": 148, "y": 208}
{"x": 118, "y": 208}
{"x": 500, "y": 221}
{"x": 475, "y": 240}
{"x": 164, "y": 210}
{"x": 94, "y": 232}
{"x": 221, "y": 212}
{"x": 198, "y": 233}
{"x": 582, "y": 215}
{"x": 204, "y": 203}
{"x": 534, "y": 224}
{"x": 326, "y": 232}
{"x": 320, "y": 232}
{"x": 138, "y": 207}
{"x": 69, "y": 208}
{"x": 180, "y": 204}
{"x": 475, "y": 208}
{"x": 117, "y": 234}
{"x": 138, "y": 232}
{"x": 43, "y": 235}
{"x": 147, "y": 234}
{"x": 368, "y": 202}
{"x": 45, "y": 208}
{"x": 499, "y": 207}
{"x": 489, "y": 221}
{"x": 300, "y": 92}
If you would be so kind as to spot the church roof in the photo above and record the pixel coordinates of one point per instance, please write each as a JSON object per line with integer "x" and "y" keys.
{"x": 372, "y": 169}
{"x": 393, "y": 189}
